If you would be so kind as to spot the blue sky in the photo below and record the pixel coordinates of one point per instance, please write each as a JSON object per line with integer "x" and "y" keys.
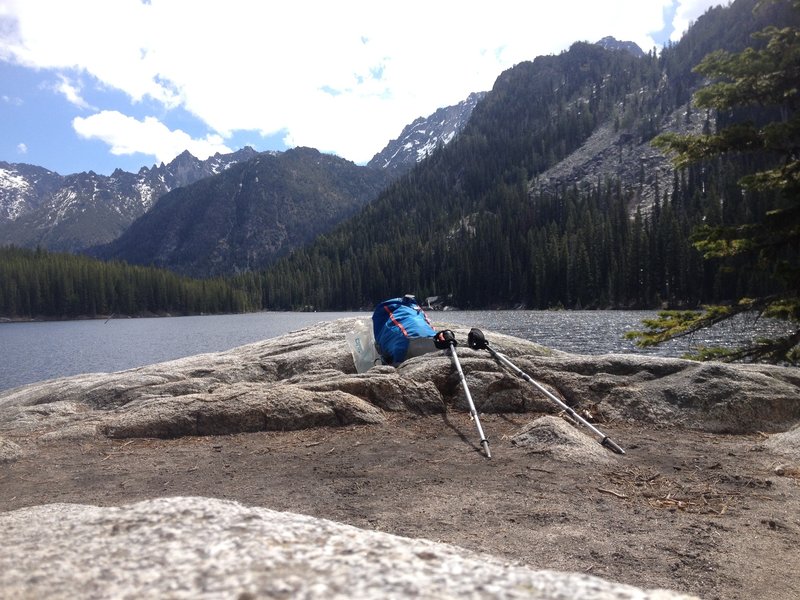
{"x": 104, "y": 84}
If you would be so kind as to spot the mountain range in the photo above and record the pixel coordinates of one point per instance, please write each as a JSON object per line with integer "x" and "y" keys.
{"x": 564, "y": 121}
{"x": 249, "y": 215}
{"x": 41, "y": 208}
{"x": 79, "y": 211}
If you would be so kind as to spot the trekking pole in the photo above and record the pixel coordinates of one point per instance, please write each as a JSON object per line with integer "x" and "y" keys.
{"x": 477, "y": 341}
{"x": 446, "y": 339}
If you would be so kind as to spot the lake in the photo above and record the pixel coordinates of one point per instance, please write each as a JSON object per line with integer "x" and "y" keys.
{"x": 36, "y": 351}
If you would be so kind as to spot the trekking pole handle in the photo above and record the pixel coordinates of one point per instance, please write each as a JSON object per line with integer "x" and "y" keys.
{"x": 444, "y": 339}
{"x": 476, "y": 340}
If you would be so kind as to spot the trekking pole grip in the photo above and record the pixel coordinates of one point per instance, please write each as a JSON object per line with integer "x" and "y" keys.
{"x": 444, "y": 339}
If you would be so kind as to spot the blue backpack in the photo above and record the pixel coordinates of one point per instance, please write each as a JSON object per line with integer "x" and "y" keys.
{"x": 400, "y": 324}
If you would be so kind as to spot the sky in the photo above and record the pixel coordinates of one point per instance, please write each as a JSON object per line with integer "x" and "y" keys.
{"x": 105, "y": 84}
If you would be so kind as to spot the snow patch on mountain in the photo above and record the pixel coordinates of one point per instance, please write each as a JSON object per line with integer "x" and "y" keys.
{"x": 13, "y": 191}
{"x": 74, "y": 212}
{"x": 423, "y": 136}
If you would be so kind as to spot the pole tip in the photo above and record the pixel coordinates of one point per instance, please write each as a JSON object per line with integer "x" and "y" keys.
{"x": 485, "y": 444}
{"x": 608, "y": 443}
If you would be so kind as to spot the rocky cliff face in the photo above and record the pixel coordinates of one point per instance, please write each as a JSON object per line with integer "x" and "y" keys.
{"x": 642, "y": 168}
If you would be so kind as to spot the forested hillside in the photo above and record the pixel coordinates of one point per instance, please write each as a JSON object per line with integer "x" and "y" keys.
{"x": 466, "y": 223}
{"x": 245, "y": 217}
{"x": 37, "y": 283}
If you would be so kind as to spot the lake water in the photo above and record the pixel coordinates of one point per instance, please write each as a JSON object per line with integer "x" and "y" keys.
{"x": 32, "y": 352}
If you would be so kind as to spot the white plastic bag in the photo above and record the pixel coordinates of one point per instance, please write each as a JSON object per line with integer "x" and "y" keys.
{"x": 362, "y": 345}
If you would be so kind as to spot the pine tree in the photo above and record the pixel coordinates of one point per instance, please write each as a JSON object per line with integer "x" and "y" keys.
{"x": 760, "y": 83}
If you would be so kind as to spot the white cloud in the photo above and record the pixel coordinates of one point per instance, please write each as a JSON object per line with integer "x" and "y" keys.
{"x": 126, "y": 135}
{"x": 342, "y": 76}
{"x": 22, "y": 148}
{"x": 686, "y": 13}
{"x": 71, "y": 91}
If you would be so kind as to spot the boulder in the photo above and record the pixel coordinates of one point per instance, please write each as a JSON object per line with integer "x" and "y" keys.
{"x": 308, "y": 378}
{"x": 207, "y": 548}
{"x": 554, "y": 437}
{"x": 786, "y": 444}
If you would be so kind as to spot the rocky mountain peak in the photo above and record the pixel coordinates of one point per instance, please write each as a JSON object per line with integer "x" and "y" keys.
{"x": 74, "y": 212}
{"x": 420, "y": 138}
{"x": 612, "y": 43}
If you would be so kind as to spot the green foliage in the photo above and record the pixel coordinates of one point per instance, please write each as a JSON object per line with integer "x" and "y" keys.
{"x": 44, "y": 284}
{"x": 675, "y": 324}
{"x": 669, "y": 324}
{"x": 783, "y": 349}
{"x": 769, "y": 240}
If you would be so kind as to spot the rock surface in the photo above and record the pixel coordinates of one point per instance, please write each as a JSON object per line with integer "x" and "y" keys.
{"x": 206, "y": 548}
{"x": 9, "y": 451}
{"x": 394, "y": 450}
{"x": 308, "y": 379}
